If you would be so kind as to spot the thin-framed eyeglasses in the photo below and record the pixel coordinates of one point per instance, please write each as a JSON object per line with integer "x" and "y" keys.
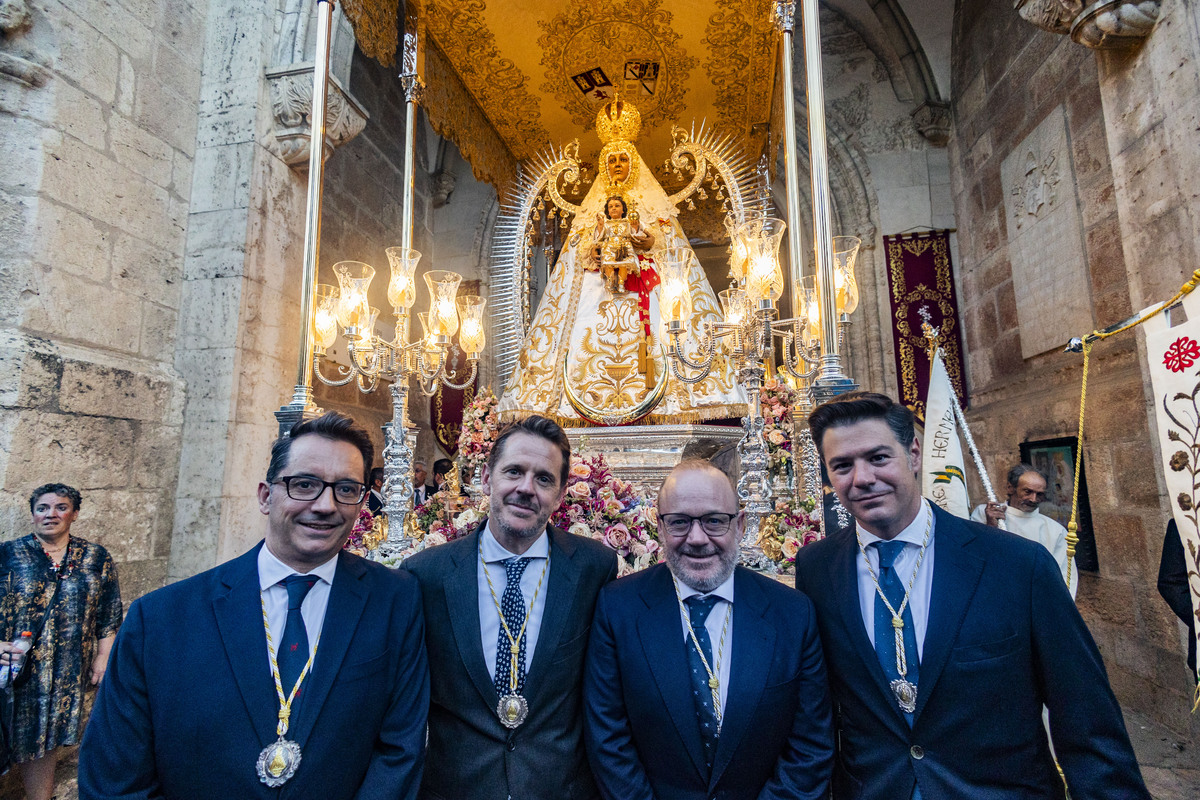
{"x": 679, "y": 525}
{"x": 307, "y": 488}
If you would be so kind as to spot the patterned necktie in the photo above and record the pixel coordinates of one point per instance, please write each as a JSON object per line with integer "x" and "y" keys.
{"x": 698, "y": 610}
{"x": 512, "y": 605}
{"x": 885, "y": 638}
{"x": 293, "y": 650}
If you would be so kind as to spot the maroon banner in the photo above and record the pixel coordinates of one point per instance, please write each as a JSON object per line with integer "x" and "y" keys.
{"x": 921, "y": 279}
{"x": 446, "y": 406}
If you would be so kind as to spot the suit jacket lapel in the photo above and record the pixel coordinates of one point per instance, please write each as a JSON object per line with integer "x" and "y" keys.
{"x": 347, "y": 600}
{"x": 462, "y": 599}
{"x": 751, "y": 651}
{"x": 665, "y": 655}
{"x": 239, "y": 619}
{"x": 559, "y": 607}
{"x": 845, "y": 589}
{"x": 955, "y": 577}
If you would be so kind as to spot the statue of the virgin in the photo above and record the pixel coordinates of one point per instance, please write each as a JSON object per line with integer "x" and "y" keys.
{"x": 595, "y": 351}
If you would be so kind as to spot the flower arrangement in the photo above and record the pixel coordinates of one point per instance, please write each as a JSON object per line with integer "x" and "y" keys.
{"x": 479, "y": 428}
{"x": 603, "y": 507}
{"x": 794, "y": 524}
{"x": 360, "y": 534}
{"x": 777, "y": 401}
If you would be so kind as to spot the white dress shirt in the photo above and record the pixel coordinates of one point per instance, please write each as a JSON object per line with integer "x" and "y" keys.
{"x": 494, "y": 556}
{"x": 270, "y": 572}
{"x": 1037, "y": 527}
{"x": 922, "y": 585}
{"x": 714, "y": 625}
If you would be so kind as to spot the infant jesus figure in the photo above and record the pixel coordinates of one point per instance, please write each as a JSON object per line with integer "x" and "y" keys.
{"x": 617, "y": 238}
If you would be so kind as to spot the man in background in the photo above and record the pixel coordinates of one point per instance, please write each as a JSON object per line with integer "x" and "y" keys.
{"x": 1022, "y": 516}
{"x": 421, "y": 490}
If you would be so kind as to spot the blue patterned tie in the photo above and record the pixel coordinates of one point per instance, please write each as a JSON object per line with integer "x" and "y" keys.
{"x": 698, "y": 610}
{"x": 512, "y": 604}
{"x": 885, "y": 638}
{"x": 293, "y": 650}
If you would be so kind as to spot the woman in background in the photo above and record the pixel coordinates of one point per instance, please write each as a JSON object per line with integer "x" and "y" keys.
{"x": 64, "y": 591}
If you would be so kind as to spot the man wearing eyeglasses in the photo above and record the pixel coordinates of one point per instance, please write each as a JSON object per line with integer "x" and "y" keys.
{"x": 705, "y": 679}
{"x": 295, "y": 665}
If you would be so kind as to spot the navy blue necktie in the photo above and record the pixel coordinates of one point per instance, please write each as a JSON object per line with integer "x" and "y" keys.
{"x": 512, "y": 604}
{"x": 293, "y": 651}
{"x": 885, "y": 637}
{"x": 698, "y": 610}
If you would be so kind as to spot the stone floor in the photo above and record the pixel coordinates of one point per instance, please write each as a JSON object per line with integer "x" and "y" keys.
{"x": 1170, "y": 767}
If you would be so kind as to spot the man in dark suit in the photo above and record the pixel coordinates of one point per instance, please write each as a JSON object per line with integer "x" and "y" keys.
{"x": 421, "y": 491}
{"x": 508, "y": 611}
{"x": 375, "y": 502}
{"x": 705, "y": 679}
{"x": 216, "y": 687}
{"x": 945, "y": 638}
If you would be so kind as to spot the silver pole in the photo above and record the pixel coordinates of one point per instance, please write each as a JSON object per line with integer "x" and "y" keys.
{"x": 785, "y": 17}
{"x": 302, "y": 396}
{"x": 832, "y": 381}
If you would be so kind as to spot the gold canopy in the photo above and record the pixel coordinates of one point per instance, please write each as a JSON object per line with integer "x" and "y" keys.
{"x": 536, "y": 72}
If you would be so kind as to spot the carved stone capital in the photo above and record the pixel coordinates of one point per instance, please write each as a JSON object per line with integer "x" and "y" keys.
{"x": 291, "y": 104}
{"x": 933, "y": 122}
{"x": 1115, "y": 23}
{"x": 443, "y": 187}
{"x": 1099, "y": 25}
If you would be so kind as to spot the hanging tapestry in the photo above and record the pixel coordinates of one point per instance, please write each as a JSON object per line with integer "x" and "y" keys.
{"x": 1173, "y": 355}
{"x": 447, "y": 404}
{"x": 921, "y": 280}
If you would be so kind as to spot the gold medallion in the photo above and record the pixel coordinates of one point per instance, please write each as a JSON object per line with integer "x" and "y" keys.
{"x": 278, "y": 762}
{"x": 512, "y": 709}
{"x": 906, "y": 695}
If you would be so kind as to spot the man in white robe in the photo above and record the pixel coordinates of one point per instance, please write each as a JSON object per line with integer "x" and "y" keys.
{"x": 1026, "y": 491}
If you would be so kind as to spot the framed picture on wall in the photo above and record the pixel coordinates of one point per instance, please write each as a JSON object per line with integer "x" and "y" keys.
{"x": 1055, "y": 458}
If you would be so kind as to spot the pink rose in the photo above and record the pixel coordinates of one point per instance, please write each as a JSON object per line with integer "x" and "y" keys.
{"x": 580, "y": 470}
{"x": 791, "y": 546}
{"x": 776, "y": 437}
{"x": 617, "y": 536}
{"x": 579, "y": 490}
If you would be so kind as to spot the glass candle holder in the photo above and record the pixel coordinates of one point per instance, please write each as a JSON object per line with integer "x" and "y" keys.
{"x": 402, "y": 289}
{"x": 325, "y": 325}
{"x": 443, "y": 314}
{"x": 353, "y": 309}
{"x": 471, "y": 335}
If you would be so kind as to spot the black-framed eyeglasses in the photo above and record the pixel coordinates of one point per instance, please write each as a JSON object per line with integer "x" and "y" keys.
{"x": 308, "y": 488}
{"x": 714, "y": 524}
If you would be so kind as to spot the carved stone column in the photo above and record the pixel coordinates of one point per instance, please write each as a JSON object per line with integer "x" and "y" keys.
{"x": 1099, "y": 25}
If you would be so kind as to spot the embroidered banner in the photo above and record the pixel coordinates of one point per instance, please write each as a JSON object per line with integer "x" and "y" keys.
{"x": 943, "y": 480}
{"x": 1173, "y": 355}
{"x": 921, "y": 280}
{"x": 447, "y": 404}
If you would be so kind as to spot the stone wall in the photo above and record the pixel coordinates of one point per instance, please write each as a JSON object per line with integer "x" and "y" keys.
{"x": 97, "y": 141}
{"x": 1151, "y": 99}
{"x": 1012, "y": 83}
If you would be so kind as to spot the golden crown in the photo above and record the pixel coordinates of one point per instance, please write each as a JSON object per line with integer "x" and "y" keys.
{"x": 618, "y": 119}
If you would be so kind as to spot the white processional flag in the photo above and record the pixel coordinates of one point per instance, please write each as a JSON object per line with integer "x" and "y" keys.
{"x": 943, "y": 481}
{"x": 1173, "y": 355}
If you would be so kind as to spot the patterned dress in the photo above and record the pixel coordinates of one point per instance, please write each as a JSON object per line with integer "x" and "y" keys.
{"x": 48, "y": 711}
